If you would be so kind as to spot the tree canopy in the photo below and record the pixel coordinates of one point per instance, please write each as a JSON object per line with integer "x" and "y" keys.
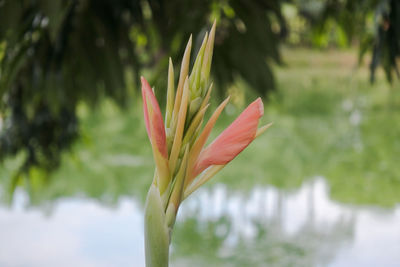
{"x": 55, "y": 54}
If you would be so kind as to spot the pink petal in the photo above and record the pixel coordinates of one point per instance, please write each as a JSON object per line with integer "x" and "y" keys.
{"x": 154, "y": 122}
{"x": 232, "y": 140}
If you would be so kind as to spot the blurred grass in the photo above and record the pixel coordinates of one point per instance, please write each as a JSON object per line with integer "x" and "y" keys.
{"x": 328, "y": 121}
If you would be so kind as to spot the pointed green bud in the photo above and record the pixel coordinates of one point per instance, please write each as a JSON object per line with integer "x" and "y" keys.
{"x": 197, "y": 120}
{"x": 206, "y": 66}
{"x": 170, "y": 94}
{"x": 195, "y": 104}
{"x": 182, "y": 76}
{"x": 178, "y": 136}
{"x": 207, "y": 96}
{"x": 193, "y": 108}
{"x": 196, "y": 71}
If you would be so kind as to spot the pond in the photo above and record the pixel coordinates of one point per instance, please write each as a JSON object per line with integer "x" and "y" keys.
{"x": 267, "y": 227}
{"x": 320, "y": 188}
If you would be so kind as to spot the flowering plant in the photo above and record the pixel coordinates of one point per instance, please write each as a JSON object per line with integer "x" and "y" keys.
{"x": 183, "y": 162}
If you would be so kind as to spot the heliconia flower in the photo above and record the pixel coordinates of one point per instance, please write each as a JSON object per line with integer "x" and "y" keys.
{"x": 179, "y": 146}
{"x": 232, "y": 140}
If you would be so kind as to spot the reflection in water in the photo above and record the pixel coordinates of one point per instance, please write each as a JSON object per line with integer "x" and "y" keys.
{"x": 268, "y": 226}
{"x": 216, "y": 227}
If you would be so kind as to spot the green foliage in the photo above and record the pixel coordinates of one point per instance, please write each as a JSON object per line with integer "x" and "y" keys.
{"x": 372, "y": 23}
{"x": 111, "y": 159}
{"x": 386, "y": 46}
{"x": 245, "y": 43}
{"x": 55, "y": 54}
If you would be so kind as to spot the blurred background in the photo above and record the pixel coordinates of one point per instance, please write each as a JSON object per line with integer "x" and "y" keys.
{"x": 319, "y": 188}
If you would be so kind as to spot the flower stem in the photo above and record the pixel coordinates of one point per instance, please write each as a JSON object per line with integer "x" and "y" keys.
{"x": 156, "y": 231}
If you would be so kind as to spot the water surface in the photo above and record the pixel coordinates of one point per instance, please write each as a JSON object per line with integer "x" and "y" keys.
{"x": 303, "y": 227}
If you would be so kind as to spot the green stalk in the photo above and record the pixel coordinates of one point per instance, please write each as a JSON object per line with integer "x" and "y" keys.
{"x": 156, "y": 231}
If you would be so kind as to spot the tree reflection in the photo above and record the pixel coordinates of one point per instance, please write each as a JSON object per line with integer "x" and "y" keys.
{"x": 260, "y": 230}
